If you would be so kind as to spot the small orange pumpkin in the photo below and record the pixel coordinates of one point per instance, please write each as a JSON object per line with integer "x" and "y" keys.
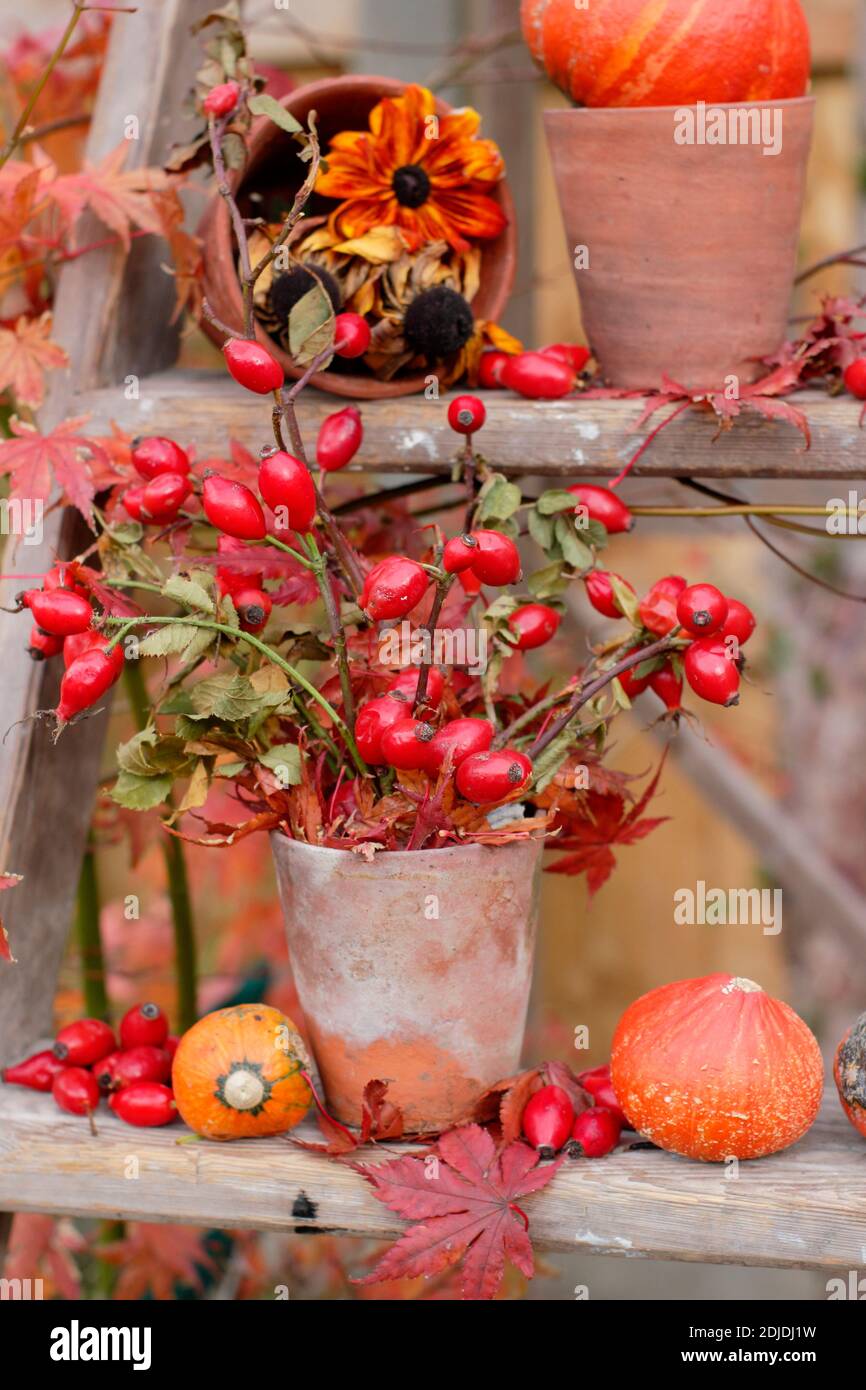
{"x": 849, "y": 1071}
{"x": 237, "y": 1074}
{"x": 715, "y": 1068}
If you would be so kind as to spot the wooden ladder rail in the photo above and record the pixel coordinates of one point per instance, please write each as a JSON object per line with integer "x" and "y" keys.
{"x": 112, "y": 315}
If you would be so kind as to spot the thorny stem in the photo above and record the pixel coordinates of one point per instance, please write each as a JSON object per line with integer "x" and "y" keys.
{"x": 469, "y": 478}
{"x": 126, "y": 625}
{"x": 301, "y": 199}
{"x": 285, "y": 411}
{"x": 337, "y": 631}
{"x": 528, "y": 717}
{"x": 585, "y": 693}
{"x": 442, "y": 587}
{"x": 216, "y": 131}
{"x": 185, "y": 952}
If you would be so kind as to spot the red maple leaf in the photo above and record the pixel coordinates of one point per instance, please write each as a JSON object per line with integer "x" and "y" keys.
{"x": 592, "y": 824}
{"x": 380, "y": 1120}
{"x": 119, "y": 198}
{"x": 39, "y": 463}
{"x": 463, "y": 1196}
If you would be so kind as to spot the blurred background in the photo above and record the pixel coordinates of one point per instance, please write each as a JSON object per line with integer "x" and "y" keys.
{"x": 772, "y": 794}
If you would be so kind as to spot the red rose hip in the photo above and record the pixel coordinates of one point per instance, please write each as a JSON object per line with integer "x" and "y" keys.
{"x": 155, "y": 455}
{"x": 548, "y": 1118}
{"x": 351, "y": 335}
{"x": 233, "y": 509}
{"x": 701, "y": 610}
{"x": 285, "y": 484}
{"x": 393, "y": 588}
{"x": 84, "y": 1042}
{"x": 534, "y": 624}
{"x": 602, "y": 505}
{"x": 340, "y": 438}
{"x": 711, "y": 672}
{"x": 466, "y": 414}
{"x": 252, "y": 366}
{"x": 75, "y": 1090}
{"x": 485, "y": 778}
{"x": 143, "y": 1025}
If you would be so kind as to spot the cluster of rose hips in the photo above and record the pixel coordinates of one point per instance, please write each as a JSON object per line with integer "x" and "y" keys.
{"x": 550, "y": 1124}
{"x": 63, "y": 623}
{"x": 86, "y": 1063}
{"x": 386, "y": 732}
{"x": 715, "y": 627}
{"x": 545, "y": 375}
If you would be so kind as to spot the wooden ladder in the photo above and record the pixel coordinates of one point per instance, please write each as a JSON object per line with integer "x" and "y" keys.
{"x": 806, "y": 1208}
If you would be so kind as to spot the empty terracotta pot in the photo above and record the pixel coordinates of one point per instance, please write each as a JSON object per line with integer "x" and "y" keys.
{"x": 340, "y": 103}
{"x": 414, "y": 968}
{"x": 692, "y": 247}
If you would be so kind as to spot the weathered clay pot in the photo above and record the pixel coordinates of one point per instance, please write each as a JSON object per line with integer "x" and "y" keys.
{"x": 414, "y": 969}
{"x": 340, "y": 103}
{"x": 692, "y": 247}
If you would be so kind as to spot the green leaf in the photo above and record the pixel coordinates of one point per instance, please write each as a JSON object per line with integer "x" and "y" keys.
{"x": 592, "y": 532}
{"x": 619, "y": 695}
{"x": 284, "y": 760}
{"x": 264, "y": 105}
{"x": 149, "y": 754}
{"x": 234, "y": 698}
{"x": 547, "y": 582}
{"x": 498, "y": 499}
{"x": 140, "y": 793}
{"x": 126, "y": 533}
{"x": 500, "y": 609}
{"x": 190, "y": 593}
{"x": 166, "y": 640}
{"x": 556, "y": 500}
{"x": 575, "y": 552}
{"x": 311, "y": 326}
{"x": 626, "y": 599}
{"x": 541, "y": 529}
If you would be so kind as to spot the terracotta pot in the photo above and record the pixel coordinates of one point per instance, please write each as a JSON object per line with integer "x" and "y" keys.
{"x": 341, "y": 103}
{"x": 434, "y": 1004}
{"x": 692, "y": 247}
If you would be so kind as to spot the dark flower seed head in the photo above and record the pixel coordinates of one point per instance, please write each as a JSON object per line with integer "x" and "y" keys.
{"x": 438, "y": 323}
{"x": 411, "y": 185}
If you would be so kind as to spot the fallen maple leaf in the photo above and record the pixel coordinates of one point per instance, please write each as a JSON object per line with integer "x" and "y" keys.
{"x": 380, "y": 1120}
{"x": 26, "y": 354}
{"x": 463, "y": 1195}
{"x": 65, "y": 458}
{"x": 7, "y": 881}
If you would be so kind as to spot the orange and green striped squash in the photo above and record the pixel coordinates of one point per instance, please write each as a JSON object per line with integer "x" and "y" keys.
{"x": 670, "y": 52}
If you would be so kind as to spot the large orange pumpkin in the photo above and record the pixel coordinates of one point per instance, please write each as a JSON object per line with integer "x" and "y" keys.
{"x": 237, "y": 1074}
{"x": 714, "y": 1069}
{"x": 670, "y": 52}
{"x": 849, "y": 1071}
